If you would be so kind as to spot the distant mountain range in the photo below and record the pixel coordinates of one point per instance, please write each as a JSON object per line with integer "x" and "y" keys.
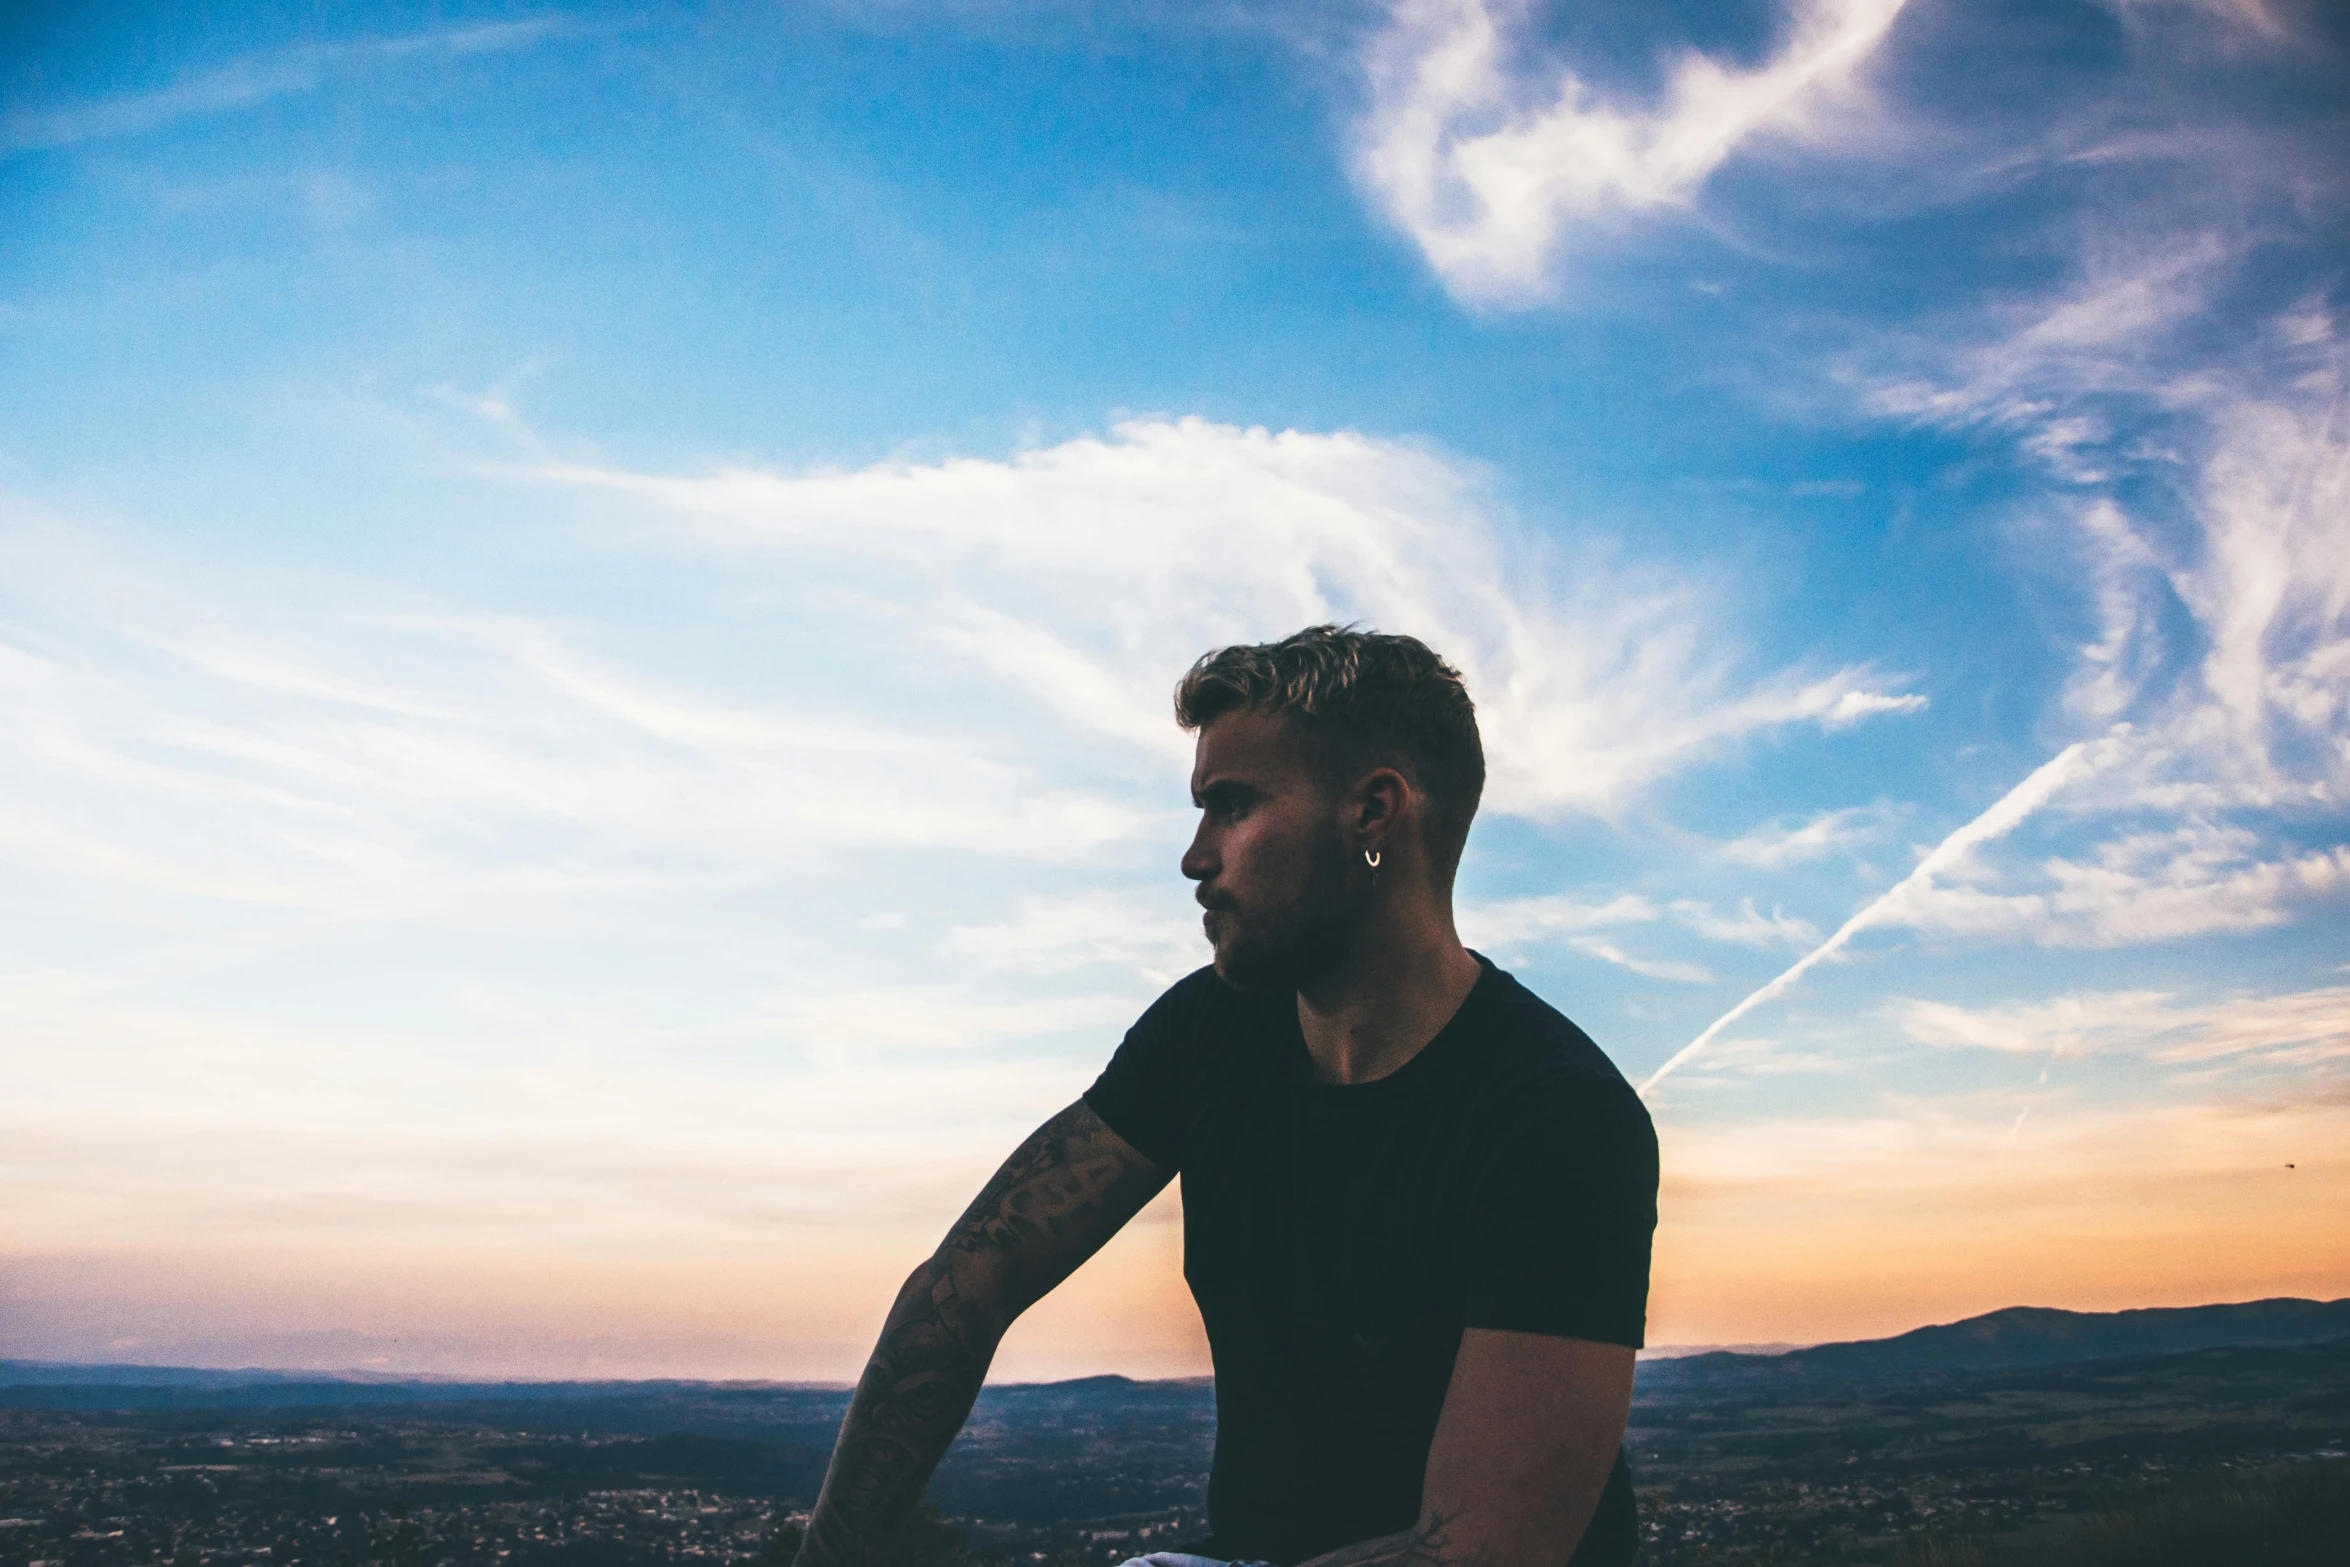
{"x": 56, "y": 1385}
{"x": 2043, "y": 1336}
{"x": 66, "y": 1373}
{"x": 2017, "y": 1337}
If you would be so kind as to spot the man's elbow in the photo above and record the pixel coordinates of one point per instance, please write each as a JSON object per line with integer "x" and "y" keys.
{"x": 973, "y": 1295}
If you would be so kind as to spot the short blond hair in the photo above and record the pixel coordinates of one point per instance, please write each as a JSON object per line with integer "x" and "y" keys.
{"x": 1366, "y": 699}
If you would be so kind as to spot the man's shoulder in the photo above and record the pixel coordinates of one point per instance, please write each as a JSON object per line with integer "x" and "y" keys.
{"x": 1195, "y": 988}
{"x": 1174, "y": 1061}
{"x": 1546, "y": 1063}
{"x": 1200, "y": 1007}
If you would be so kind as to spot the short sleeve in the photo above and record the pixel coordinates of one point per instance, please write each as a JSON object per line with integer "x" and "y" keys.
{"x": 1144, "y": 1093}
{"x": 1562, "y": 1222}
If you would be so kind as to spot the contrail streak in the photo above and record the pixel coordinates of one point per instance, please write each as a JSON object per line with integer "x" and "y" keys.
{"x": 2074, "y": 760}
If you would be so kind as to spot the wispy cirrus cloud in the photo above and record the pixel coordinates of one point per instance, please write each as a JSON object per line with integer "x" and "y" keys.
{"x": 361, "y": 761}
{"x": 2191, "y": 880}
{"x": 2056, "y": 373}
{"x": 2252, "y": 719}
{"x": 2220, "y": 660}
{"x": 2234, "y": 20}
{"x": 2295, "y": 1028}
{"x": 1504, "y": 922}
{"x": 246, "y": 83}
{"x": 1517, "y": 925}
{"x": 2259, "y": 722}
{"x": 1671, "y": 970}
{"x": 1736, "y": 1064}
{"x": 1083, "y": 575}
{"x": 2199, "y": 479}
{"x": 388, "y": 758}
{"x": 1490, "y": 164}
{"x": 1749, "y": 926}
{"x": 1154, "y": 935}
{"x": 1778, "y": 843}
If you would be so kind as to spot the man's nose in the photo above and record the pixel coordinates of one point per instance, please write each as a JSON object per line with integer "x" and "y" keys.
{"x": 1198, "y": 863}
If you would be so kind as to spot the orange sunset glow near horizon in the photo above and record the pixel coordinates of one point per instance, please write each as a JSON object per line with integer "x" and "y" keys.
{"x": 1876, "y": 1231}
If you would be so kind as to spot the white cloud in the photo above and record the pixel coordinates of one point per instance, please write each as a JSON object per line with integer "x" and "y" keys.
{"x": 2234, "y": 18}
{"x": 1648, "y": 968}
{"x": 2269, "y": 710}
{"x": 333, "y": 755}
{"x": 2293, "y": 1029}
{"x": 2141, "y": 887}
{"x": 2064, "y": 1026}
{"x": 1774, "y": 844}
{"x": 1509, "y": 925}
{"x": 2222, "y": 643}
{"x": 1490, "y": 176}
{"x": 1511, "y": 922}
{"x": 1016, "y": 627}
{"x": 1854, "y": 706}
{"x": 2252, "y": 723}
{"x": 2112, "y": 670}
{"x": 2103, "y": 383}
{"x": 1147, "y": 934}
{"x": 1895, "y": 905}
{"x": 1085, "y": 576}
{"x": 1748, "y": 927}
{"x": 2039, "y": 368}
{"x": 1737, "y": 1062}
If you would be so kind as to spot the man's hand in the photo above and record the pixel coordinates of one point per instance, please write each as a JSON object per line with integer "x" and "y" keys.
{"x": 1067, "y": 1190}
{"x": 1530, "y": 1429}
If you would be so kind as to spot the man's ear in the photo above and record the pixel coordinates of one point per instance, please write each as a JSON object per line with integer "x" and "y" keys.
{"x": 1382, "y": 798}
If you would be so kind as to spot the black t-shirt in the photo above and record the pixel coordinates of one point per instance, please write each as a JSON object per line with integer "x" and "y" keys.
{"x": 1338, "y": 1238}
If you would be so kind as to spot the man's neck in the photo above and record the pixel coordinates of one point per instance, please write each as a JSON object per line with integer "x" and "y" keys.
{"x": 1393, "y": 993}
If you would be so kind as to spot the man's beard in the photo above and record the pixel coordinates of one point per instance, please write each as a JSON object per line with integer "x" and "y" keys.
{"x": 1290, "y": 946}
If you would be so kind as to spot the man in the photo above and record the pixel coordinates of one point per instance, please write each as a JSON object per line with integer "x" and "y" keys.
{"x": 1417, "y": 1201}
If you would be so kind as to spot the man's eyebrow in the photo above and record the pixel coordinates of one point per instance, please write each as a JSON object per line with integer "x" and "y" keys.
{"x": 1218, "y": 785}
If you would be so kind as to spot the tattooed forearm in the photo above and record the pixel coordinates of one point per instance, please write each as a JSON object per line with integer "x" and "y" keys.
{"x": 1065, "y": 1191}
{"x": 1435, "y": 1542}
{"x": 914, "y": 1396}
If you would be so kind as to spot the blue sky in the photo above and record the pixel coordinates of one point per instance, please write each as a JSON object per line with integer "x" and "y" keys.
{"x": 587, "y": 599}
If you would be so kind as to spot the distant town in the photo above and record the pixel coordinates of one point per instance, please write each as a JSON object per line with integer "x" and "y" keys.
{"x": 1995, "y": 1430}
